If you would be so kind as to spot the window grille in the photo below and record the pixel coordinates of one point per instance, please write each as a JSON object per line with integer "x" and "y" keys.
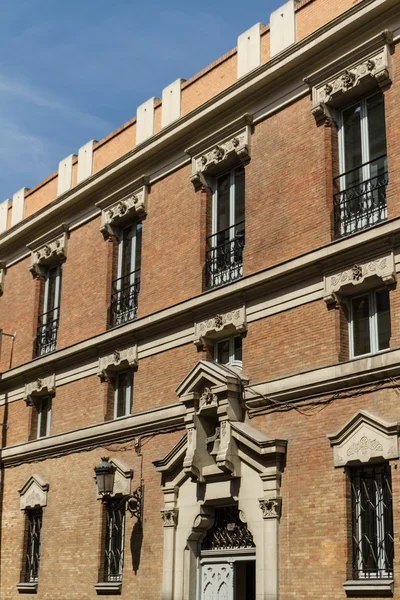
{"x": 229, "y": 531}
{"x": 114, "y": 540}
{"x": 372, "y": 520}
{"x": 34, "y": 524}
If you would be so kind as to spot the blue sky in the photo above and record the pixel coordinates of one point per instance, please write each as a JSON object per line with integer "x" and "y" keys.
{"x": 75, "y": 70}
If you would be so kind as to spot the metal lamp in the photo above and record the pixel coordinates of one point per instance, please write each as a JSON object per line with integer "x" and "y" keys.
{"x": 105, "y": 473}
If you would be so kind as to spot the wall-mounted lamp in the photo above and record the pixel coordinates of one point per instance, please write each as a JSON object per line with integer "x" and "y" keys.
{"x": 105, "y": 475}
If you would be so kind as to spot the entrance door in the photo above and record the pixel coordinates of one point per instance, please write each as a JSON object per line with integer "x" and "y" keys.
{"x": 217, "y": 581}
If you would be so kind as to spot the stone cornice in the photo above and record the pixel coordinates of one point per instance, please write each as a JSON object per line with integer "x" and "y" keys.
{"x": 151, "y": 421}
{"x": 311, "y": 264}
{"x": 245, "y": 88}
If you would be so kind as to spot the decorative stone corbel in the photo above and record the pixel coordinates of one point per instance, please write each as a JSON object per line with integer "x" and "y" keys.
{"x": 121, "y": 212}
{"x": 271, "y": 507}
{"x": 48, "y": 250}
{"x": 44, "y": 386}
{"x": 3, "y": 271}
{"x": 222, "y": 324}
{"x": 33, "y": 493}
{"x": 118, "y": 360}
{"x": 362, "y": 67}
{"x": 229, "y": 145}
{"x": 170, "y": 517}
{"x": 360, "y": 276}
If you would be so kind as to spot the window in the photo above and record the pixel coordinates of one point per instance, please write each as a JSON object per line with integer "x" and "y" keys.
{"x": 125, "y": 288}
{"x": 46, "y": 336}
{"x": 123, "y": 394}
{"x": 229, "y": 351}
{"x": 114, "y": 540}
{"x": 43, "y": 416}
{"x": 369, "y": 323}
{"x": 32, "y": 559}
{"x": 372, "y": 522}
{"x": 224, "y": 259}
{"x": 360, "y": 198}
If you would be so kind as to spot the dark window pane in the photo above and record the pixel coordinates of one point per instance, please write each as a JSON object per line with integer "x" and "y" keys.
{"x": 126, "y": 266}
{"x": 223, "y": 352}
{"x": 361, "y": 333}
{"x": 44, "y": 416}
{"x": 122, "y": 384}
{"x": 383, "y": 319}
{"x": 223, "y": 202}
{"x": 239, "y": 195}
{"x": 34, "y": 524}
{"x": 138, "y": 249}
{"x": 52, "y": 300}
{"x": 376, "y": 126}
{"x": 352, "y": 144}
{"x": 114, "y": 541}
{"x": 237, "y": 343}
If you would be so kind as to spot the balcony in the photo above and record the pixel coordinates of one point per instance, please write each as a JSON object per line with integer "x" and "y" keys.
{"x": 46, "y": 334}
{"x": 124, "y": 298}
{"x": 224, "y": 256}
{"x": 361, "y": 201}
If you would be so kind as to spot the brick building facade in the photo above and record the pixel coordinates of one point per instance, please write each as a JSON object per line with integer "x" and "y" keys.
{"x": 207, "y": 298}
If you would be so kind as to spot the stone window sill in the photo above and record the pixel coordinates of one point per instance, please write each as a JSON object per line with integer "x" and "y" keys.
{"x": 371, "y": 588}
{"x": 108, "y": 587}
{"x": 29, "y": 587}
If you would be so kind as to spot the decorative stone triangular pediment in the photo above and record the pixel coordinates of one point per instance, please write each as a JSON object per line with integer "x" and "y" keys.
{"x": 365, "y": 437}
{"x": 209, "y": 374}
{"x": 33, "y": 493}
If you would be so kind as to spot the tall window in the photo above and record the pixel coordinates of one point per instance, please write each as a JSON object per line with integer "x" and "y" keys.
{"x": 46, "y": 336}
{"x": 43, "y": 406}
{"x": 360, "y": 198}
{"x": 125, "y": 288}
{"x": 224, "y": 261}
{"x": 372, "y": 522}
{"x": 369, "y": 323}
{"x": 229, "y": 351}
{"x": 32, "y": 559}
{"x": 123, "y": 394}
{"x": 114, "y": 540}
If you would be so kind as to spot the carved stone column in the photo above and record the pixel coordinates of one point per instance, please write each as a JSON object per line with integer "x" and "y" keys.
{"x": 170, "y": 518}
{"x": 271, "y": 511}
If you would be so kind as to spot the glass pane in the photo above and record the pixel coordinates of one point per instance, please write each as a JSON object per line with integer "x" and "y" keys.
{"x": 52, "y": 301}
{"x": 239, "y": 195}
{"x": 122, "y": 385}
{"x": 223, "y": 200}
{"x": 376, "y": 126}
{"x": 352, "y": 144}
{"x": 361, "y": 334}
{"x": 126, "y": 264}
{"x": 383, "y": 318}
{"x": 44, "y": 410}
{"x": 138, "y": 250}
{"x": 237, "y": 348}
{"x": 223, "y": 352}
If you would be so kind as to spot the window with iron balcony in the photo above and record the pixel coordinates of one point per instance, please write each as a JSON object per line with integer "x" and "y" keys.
{"x": 48, "y": 320}
{"x": 360, "y": 189}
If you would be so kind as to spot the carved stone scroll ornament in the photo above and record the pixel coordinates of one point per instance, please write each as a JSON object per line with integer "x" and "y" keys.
{"x": 271, "y": 508}
{"x": 50, "y": 253}
{"x": 375, "y": 65}
{"x": 33, "y": 493}
{"x": 227, "y": 323}
{"x": 42, "y": 386}
{"x": 117, "y": 361}
{"x": 170, "y": 517}
{"x": 346, "y": 281}
{"x": 123, "y": 211}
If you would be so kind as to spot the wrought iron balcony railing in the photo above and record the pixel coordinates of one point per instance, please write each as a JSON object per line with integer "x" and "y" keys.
{"x": 46, "y": 335}
{"x": 224, "y": 256}
{"x": 361, "y": 201}
{"x": 124, "y": 298}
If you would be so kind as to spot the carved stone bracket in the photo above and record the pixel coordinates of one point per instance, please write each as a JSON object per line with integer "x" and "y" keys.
{"x": 222, "y": 324}
{"x": 271, "y": 507}
{"x": 363, "y": 438}
{"x": 228, "y": 145}
{"x": 3, "y": 271}
{"x": 117, "y": 361}
{"x": 367, "y": 64}
{"x": 360, "y": 276}
{"x": 49, "y": 250}
{"x": 33, "y": 493}
{"x": 42, "y": 386}
{"x": 121, "y": 212}
{"x": 170, "y": 517}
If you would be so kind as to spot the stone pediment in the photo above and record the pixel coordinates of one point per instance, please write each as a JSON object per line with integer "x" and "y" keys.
{"x": 33, "y": 493}
{"x": 209, "y": 374}
{"x": 364, "y": 438}
{"x": 222, "y": 324}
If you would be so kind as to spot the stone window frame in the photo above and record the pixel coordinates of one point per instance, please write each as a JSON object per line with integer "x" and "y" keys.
{"x": 351, "y": 76}
{"x": 49, "y": 250}
{"x": 219, "y": 327}
{"x": 35, "y": 391}
{"x": 365, "y": 439}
